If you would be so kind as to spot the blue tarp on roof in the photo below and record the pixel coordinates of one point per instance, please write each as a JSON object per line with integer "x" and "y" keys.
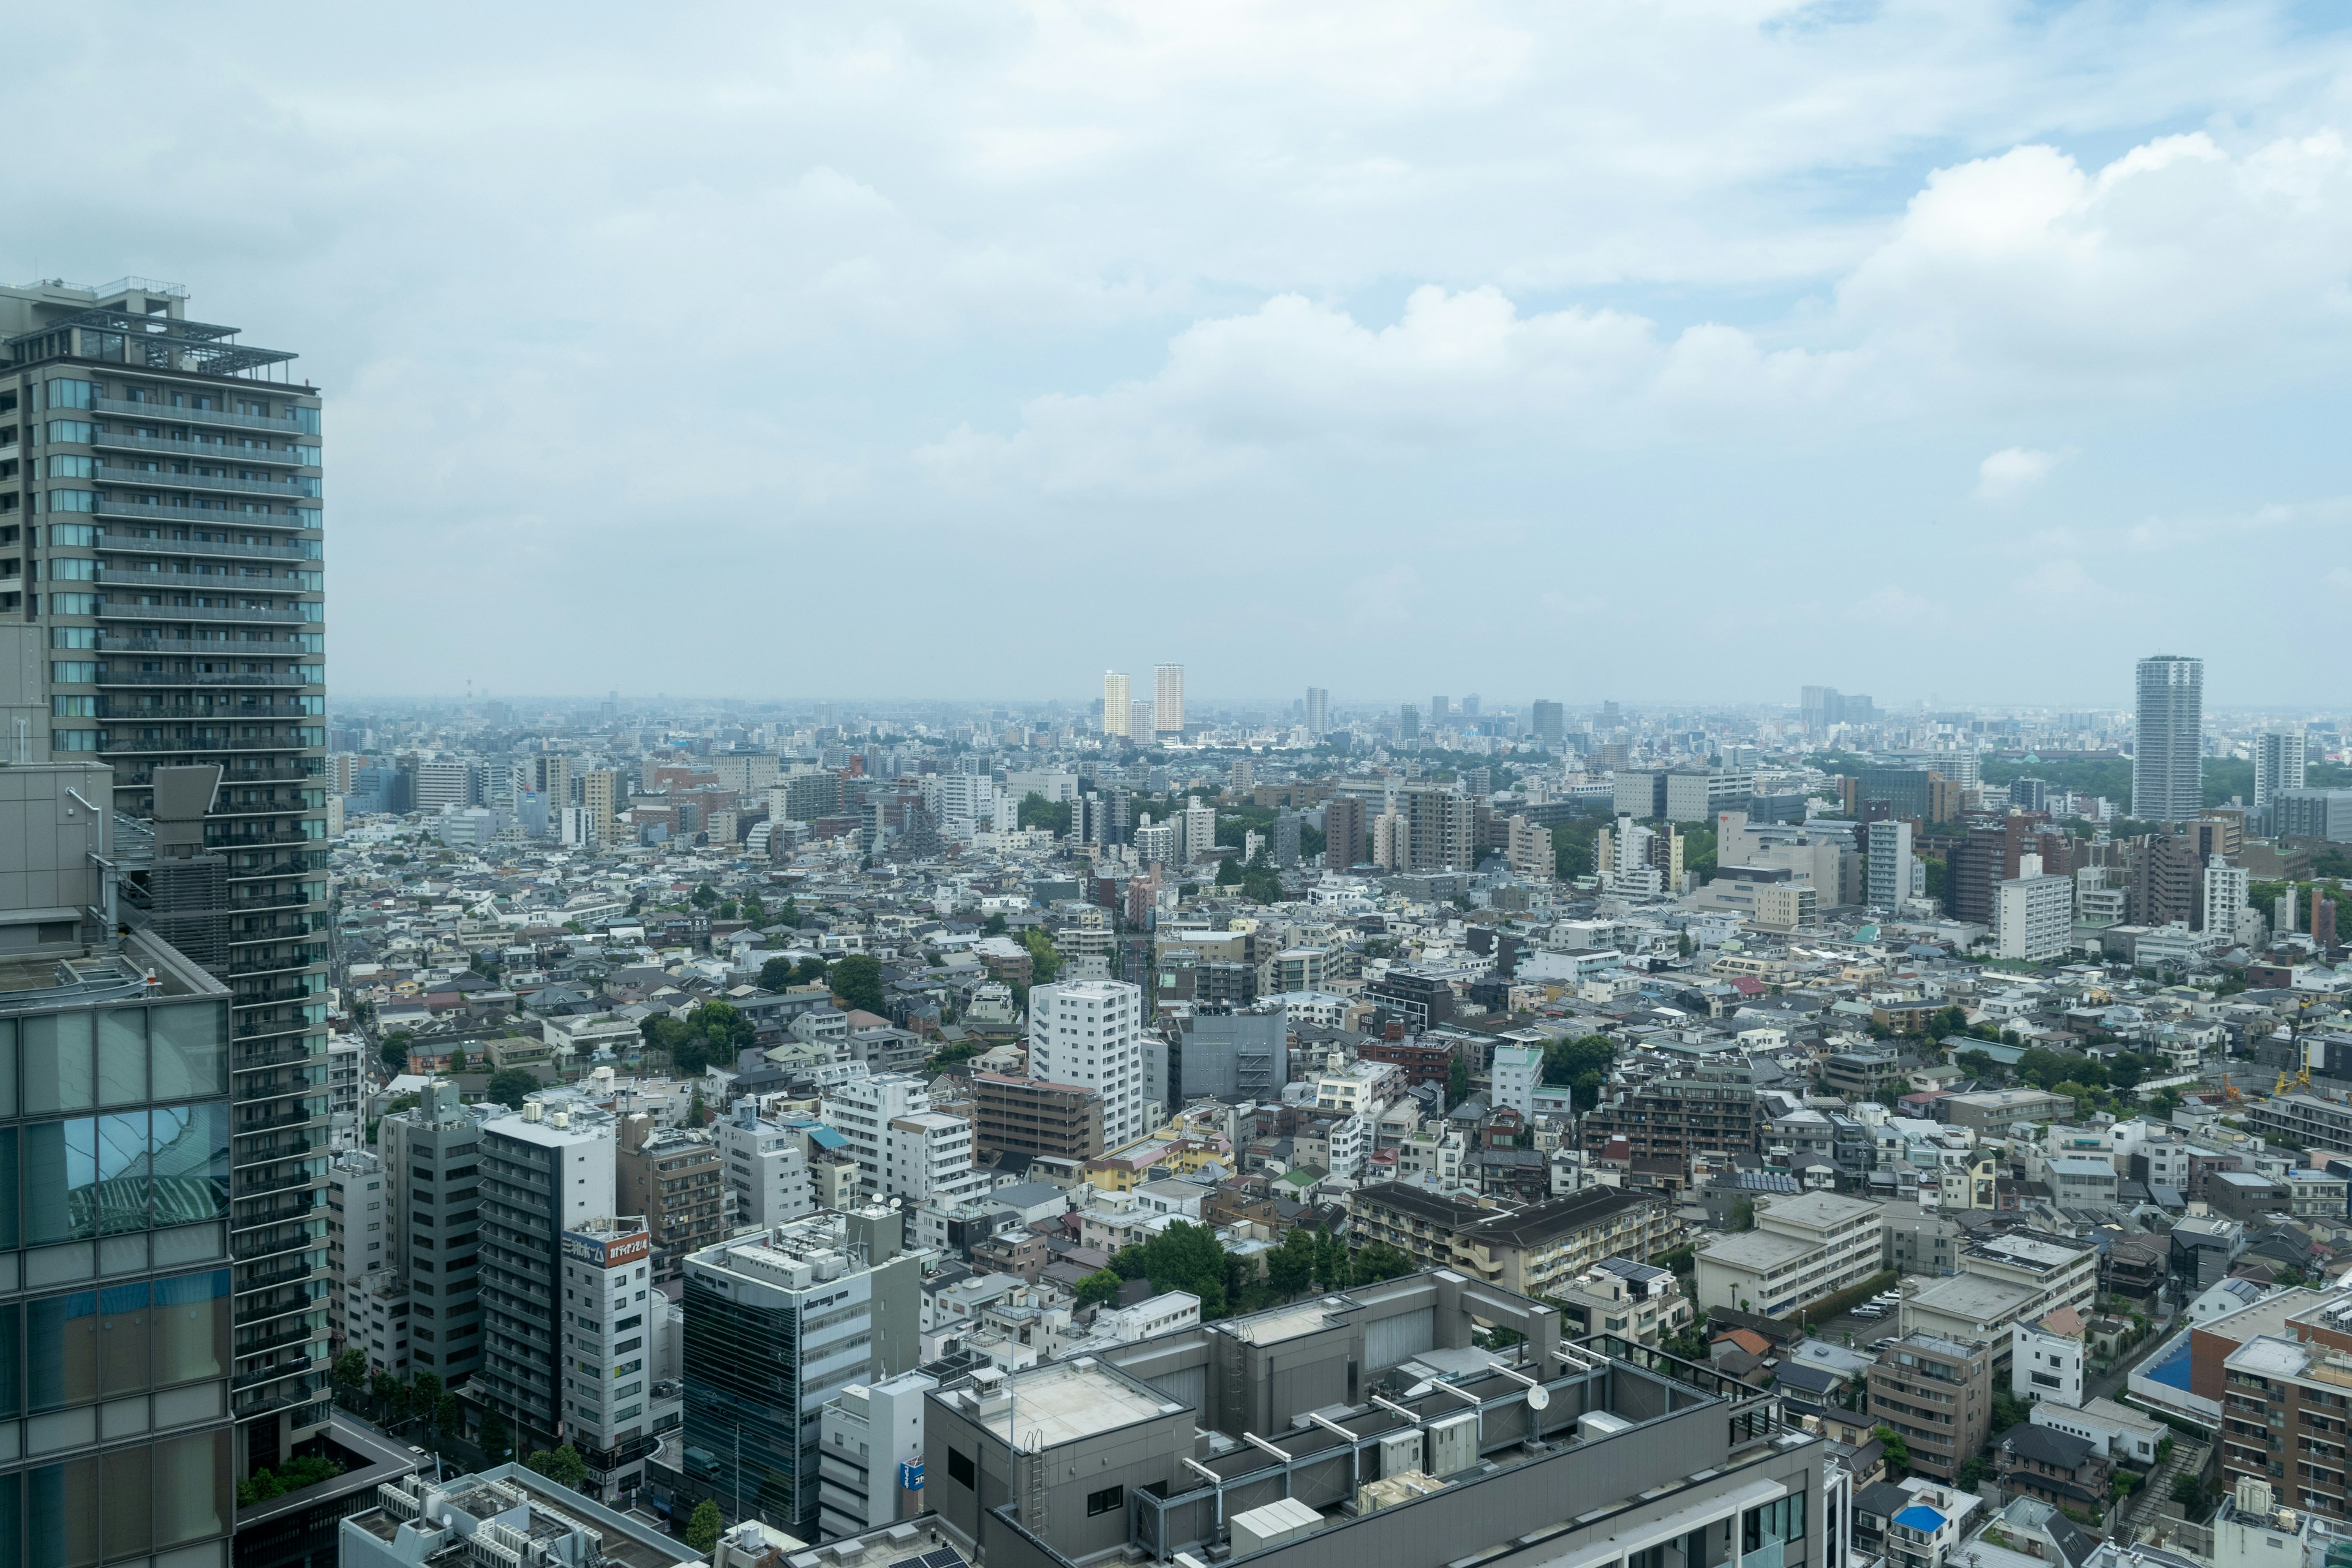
{"x": 826, "y": 1138}
{"x": 1921, "y": 1518}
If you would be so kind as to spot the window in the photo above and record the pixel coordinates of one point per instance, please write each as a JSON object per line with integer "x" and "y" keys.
{"x": 959, "y": 1470}
{"x": 1105, "y": 1500}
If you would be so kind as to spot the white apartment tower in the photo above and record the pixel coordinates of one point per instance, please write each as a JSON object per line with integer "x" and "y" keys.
{"x": 2278, "y": 765}
{"x": 861, "y": 1109}
{"x": 607, "y": 1303}
{"x": 2165, "y": 781}
{"x": 765, "y": 1167}
{"x": 1168, "y": 698}
{"x": 1889, "y": 867}
{"x": 1114, "y": 703}
{"x": 1090, "y": 1032}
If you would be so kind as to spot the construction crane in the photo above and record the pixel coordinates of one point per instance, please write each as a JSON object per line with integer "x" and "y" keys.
{"x": 2300, "y": 1081}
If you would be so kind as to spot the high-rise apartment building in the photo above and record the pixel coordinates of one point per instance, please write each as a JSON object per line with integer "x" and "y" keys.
{"x": 1090, "y": 1034}
{"x": 168, "y": 501}
{"x": 861, "y": 1109}
{"x": 544, "y": 1170}
{"x": 1888, "y": 884}
{"x": 671, "y": 1176}
{"x": 765, "y": 1166}
{"x": 1115, "y": 704}
{"x": 115, "y": 1327}
{"x": 2278, "y": 765}
{"x": 602, "y": 796}
{"x": 608, "y": 1305}
{"x": 1438, "y": 822}
{"x": 777, "y": 1325}
{"x": 1318, "y": 710}
{"x": 2166, "y": 781}
{"x": 1343, "y": 832}
{"x": 1529, "y": 851}
{"x": 1408, "y": 722}
{"x": 1168, "y": 699}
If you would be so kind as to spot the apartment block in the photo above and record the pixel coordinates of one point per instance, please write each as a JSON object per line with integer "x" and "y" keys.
{"x": 765, "y": 1167}
{"x": 431, "y": 1155}
{"x": 673, "y": 1177}
{"x": 1535, "y": 1249}
{"x": 870, "y": 1454}
{"x": 610, "y": 1301}
{"x": 1804, "y": 1249}
{"x": 1937, "y": 1393}
{"x": 1036, "y": 1118}
{"x": 1090, "y": 1034}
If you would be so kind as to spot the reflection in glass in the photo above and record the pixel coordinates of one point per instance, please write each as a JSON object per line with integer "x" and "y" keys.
{"x": 127, "y": 1506}
{"x": 122, "y": 1056}
{"x": 7, "y": 1067}
{"x": 61, "y": 1351}
{"x": 121, "y": 1198}
{"x": 191, "y": 1163}
{"x": 62, "y": 1503}
{"x": 191, "y": 1489}
{"x": 191, "y": 1049}
{"x": 57, "y": 1069}
{"x": 191, "y": 1324}
{"x": 122, "y": 1340}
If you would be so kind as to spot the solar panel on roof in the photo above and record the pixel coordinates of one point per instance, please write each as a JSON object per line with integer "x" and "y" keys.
{"x": 945, "y": 1557}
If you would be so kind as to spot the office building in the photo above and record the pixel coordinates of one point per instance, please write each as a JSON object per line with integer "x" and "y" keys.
{"x": 671, "y": 1176}
{"x": 1115, "y": 704}
{"x": 1034, "y": 1116}
{"x": 1528, "y": 849}
{"x": 431, "y": 1154}
{"x": 359, "y": 1253}
{"x": 861, "y": 1111}
{"x": 870, "y": 1445}
{"x": 115, "y": 1304}
{"x": 1549, "y": 723}
{"x": 1168, "y": 699}
{"x": 510, "y": 1513}
{"x": 1318, "y": 710}
{"x": 545, "y": 1170}
{"x": 1097, "y": 1458}
{"x": 2278, "y": 765}
{"x": 609, "y": 1306}
{"x": 174, "y": 462}
{"x": 1090, "y": 1034}
{"x": 1888, "y": 872}
{"x": 1408, "y": 722}
{"x": 2313, "y": 813}
{"x": 777, "y": 1325}
{"x": 2167, "y": 746}
{"x": 765, "y": 1165}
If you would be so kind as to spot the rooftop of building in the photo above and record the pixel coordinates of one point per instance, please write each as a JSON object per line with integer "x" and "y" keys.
{"x": 144, "y": 968}
{"x": 521, "y": 1507}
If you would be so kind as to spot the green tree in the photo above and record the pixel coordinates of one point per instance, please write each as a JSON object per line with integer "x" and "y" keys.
{"x": 1036, "y": 811}
{"x": 993, "y": 925}
{"x": 1290, "y": 1268}
{"x": 1582, "y": 1063}
{"x": 696, "y": 1111}
{"x": 1184, "y": 1256}
{"x": 2189, "y": 1493}
{"x": 456, "y": 1059}
{"x": 1743, "y": 1214}
{"x": 383, "y": 1389}
{"x": 508, "y": 1085}
{"x": 350, "y": 1370}
{"x": 791, "y": 913}
{"x": 1330, "y": 1261}
{"x": 393, "y": 1052}
{"x": 1099, "y": 1288}
{"x": 702, "y": 1527}
{"x": 858, "y": 983}
{"x": 496, "y": 1439}
{"x": 752, "y": 909}
{"x": 1377, "y": 1262}
{"x": 1457, "y": 1082}
{"x": 562, "y": 1466}
{"x": 704, "y": 895}
{"x": 1045, "y": 958}
{"x": 811, "y": 970}
{"x": 1683, "y": 948}
{"x": 2008, "y": 1410}
{"x": 775, "y": 975}
{"x": 1891, "y": 1443}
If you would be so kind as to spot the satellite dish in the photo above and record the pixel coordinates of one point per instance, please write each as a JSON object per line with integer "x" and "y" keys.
{"x": 1539, "y": 1397}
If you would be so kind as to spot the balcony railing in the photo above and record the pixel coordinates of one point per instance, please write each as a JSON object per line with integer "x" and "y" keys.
{"x": 123, "y": 610}
{"x": 116, "y": 543}
{"x": 198, "y": 451}
{"x": 158, "y": 478}
{"x": 207, "y": 516}
{"x": 197, "y": 678}
{"x": 214, "y": 416}
{"x": 207, "y": 743}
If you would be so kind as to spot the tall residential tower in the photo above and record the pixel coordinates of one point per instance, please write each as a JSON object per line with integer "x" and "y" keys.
{"x": 1168, "y": 699}
{"x": 2166, "y": 783}
{"x": 162, "y": 589}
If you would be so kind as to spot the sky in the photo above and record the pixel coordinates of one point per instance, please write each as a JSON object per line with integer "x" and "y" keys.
{"x": 1951, "y": 353}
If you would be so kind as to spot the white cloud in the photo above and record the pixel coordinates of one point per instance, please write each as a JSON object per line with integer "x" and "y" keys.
{"x": 2010, "y": 472}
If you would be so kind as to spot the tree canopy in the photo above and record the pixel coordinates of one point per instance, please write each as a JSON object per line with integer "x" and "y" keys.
{"x": 507, "y": 1087}
{"x": 856, "y": 980}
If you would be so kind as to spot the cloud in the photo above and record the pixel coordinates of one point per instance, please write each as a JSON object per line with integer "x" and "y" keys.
{"x": 2012, "y": 471}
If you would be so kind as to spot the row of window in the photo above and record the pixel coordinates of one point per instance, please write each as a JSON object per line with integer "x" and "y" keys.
{"x": 123, "y": 1503}
{"x": 114, "y": 1174}
{"x": 98, "y": 1058}
{"x": 87, "y": 1345}
{"x": 65, "y": 392}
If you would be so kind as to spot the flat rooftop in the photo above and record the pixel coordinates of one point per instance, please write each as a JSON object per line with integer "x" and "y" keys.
{"x": 1065, "y": 1401}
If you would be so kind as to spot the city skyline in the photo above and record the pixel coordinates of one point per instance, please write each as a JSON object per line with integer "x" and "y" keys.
{"x": 1043, "y": 315}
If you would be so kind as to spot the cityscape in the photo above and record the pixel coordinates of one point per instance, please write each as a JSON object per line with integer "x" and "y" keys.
{"x": 639, "y": 1061}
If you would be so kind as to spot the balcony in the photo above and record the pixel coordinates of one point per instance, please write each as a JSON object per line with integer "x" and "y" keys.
{"x": 310, "y": 1175}
{"x": 113, "y": 543}
{"x": 218, "y": 417}
{"x": 214, "y": 580}
{"x": 160, "y": 479}
{"x": 196, "y": 677}
{"x": 277, "y": 1396}
{"x": 208, "y": 516}
{"x": 299, "y": 1115}
{"x": 160, "y": 747}
{"x": 199, "y": 451}
{"x": 112, "y": 609}
{"x": 286, "y": 1288}
{"x": 281, "y": 1240}
{"x": 298, "y": 960}
{"x": 287, "y": 1331}
{"x": 245, "y": 1153}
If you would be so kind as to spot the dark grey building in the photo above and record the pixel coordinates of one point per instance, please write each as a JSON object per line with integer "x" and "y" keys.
{"x": 2313, "y": 813}
{"x": 1233, "y": 1053}
{"x": 432, "y": 1156}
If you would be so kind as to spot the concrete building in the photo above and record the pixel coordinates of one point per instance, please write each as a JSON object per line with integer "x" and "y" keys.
{"x": 1516, "y": 1072}
{"x": 2046, "y": 1358}
{"x": 777, "y": 1325}
{"x": 2278, "y": 765}
{"x": 359, "y": 1240}
{"x": 511, "y": 1510}
{"x": 1036, "y": 1117}
{"x": 1090, "y": 1034}
{"x": 674, "y": 1179}
{"x": 1437, "y": 829}
{"x": 870, "y": 1455}
{"x": 765, "y": 1167}
{"x": 1345, "y": 828}
{"x": 1115, "y": 704}
{"x": 431, "y": 1155}
{"x": 1097, "y": 1457}
{"x": 1536, "y": 1249}
{"x": 611, "y": 1316}
{"x": 1804, "y": 1249}
{"x": 1528, "y": 849}
{"x": 2033, "y": 914}
{"x": 1233, "y": 1054}
{"x": 1888, "y": 877}
{"x": 1937, "y": 1393}
{"x": 1167, "y": 700}
{"x": 862, "y": 1109}
{"x": 2167, "y": 740}
{"x": 546, "y": 1170}
{"x": 2324, "y": 813}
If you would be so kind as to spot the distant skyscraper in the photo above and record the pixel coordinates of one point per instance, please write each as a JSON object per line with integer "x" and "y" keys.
{"x": 1114, "y": 721}
{"x": 2278, "y": 765}
{"x": 1439, "y": 707}
{"x": 2166, "y": 783}
{"x": 1470, "y": 706}
{"x": 1551, "y": 722}
{"x": 1409, "y": 722}
{"x": 1318, "y": 710}
{"x": 1168, "y": 698}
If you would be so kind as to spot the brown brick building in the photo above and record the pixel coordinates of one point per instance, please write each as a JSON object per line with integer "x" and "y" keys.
{"x": 1031, "y": 1116}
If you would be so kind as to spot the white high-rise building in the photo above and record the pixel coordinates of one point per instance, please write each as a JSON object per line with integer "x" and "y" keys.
{"x": 765, "y": 1167}
{"x": 1090, "y": 1032}
{"x": 2166, "y": 783}
{"x": 2033, "y": 914}
{"x": 862, "y": 1109}
{"x": 1318, "y": 712}
{"x": 1200, "y": 830}
{"x": 2278, "y": 765}
{"x": 1889, "y": 869}
{"x": 608, "y": 1303}
{"x": 2229, "y": 889}
{"x": 1168, "y": 698}
{"x": 1114, "y": 703}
